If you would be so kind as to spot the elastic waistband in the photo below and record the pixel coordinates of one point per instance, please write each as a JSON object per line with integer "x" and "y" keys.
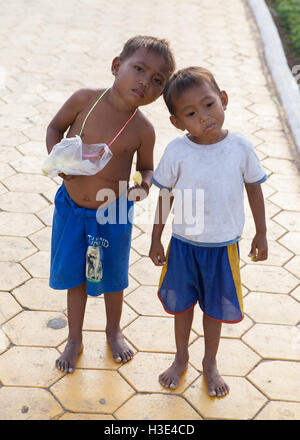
{"x": 196, "y": 243}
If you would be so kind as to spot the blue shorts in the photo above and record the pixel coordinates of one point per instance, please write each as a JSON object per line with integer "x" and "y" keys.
{"x": 207, "y": 275}
{"x": 91, "y": 245}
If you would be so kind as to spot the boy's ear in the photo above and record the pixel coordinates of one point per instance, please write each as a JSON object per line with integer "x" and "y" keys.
{"x": 224, "y": 99}
{"x": 178, "y": 124}
{"x": 115, "y": 65}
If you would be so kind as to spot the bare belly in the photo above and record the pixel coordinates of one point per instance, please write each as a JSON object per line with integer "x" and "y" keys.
{"x": 94, "y": 191}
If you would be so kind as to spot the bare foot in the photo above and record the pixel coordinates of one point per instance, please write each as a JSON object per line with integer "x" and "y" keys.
{"x": 170, "y": 377}
{"x": 120, "y": 349}
{"x": 215, "y": 383}
{"x": 66, "y": 362}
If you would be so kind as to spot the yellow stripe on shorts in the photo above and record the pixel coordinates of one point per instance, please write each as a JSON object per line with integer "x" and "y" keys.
{"x": 233, "y": 257}
{"x": 164, "y": 269}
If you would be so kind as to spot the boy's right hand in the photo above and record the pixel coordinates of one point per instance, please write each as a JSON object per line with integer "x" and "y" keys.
{"x": 157, "y": 253}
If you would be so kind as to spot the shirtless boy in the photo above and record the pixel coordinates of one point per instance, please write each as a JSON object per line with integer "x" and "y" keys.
{"x": 140, "y": 71}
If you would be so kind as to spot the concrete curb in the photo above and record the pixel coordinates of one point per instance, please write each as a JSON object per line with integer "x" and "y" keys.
{"x": 284, "y": 80}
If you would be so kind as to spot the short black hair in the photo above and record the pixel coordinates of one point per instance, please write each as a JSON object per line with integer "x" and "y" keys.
{"x": 185, "y": 79}
{"x": 153, "y": 44}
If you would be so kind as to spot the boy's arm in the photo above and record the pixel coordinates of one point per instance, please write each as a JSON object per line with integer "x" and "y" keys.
{"x": 163, "y": 208}
{"x": 144, "y": 164}
{"x": 257, "y": 205}
{"x": 65, "y": 117}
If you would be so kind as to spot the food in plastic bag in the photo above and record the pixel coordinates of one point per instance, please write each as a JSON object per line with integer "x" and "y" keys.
{"x": 71, "y": 156}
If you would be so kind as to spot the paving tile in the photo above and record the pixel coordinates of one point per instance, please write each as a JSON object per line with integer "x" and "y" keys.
{"x": 38, "y": 265}
{"x": 12, "y": 275}
{"x": 272, "y": 309}
{"x": 289, "y": 220}
{"x": 14, "y": 249}
{"x": 280, "y": 411}
{"x": 33, "y": 328}
{"x": 274, "y": 341}
{"x": 18, "y": 403}
{"x": 28, "y": 164}
{"x": 280, "y": 166}
{"x": 32, "y": 183}
{"x": 155, "y": 334}
{"x": 292, "y": 241}
{"x": 284, "y": 183}
{"x": 142, "y": 373}
{"x": 277, "y": 379}
{"x": 8, "y": 154}
{"x": 8, "y": 307}
{"x": 293, "y": 266}
{"x": 6, "y": 170}
{"x": 268, "y": 279}
{"x": 241, "y": 403}
{"x": 156, "y": 407}
{"x": 4, "y": 341}
{"x": 92, "y": 391}
{"x": 22, "y": 202}
{"x": 40, "y": 368}
{"x": 33, "y": 148}
{"x": 36, "y": 294}
{"x": 144, "y": 301}
{"x": 288, "y": 201}
{"x": 46, "y": 215}
{"x": 296, "y": 293}
{"x": 42, "y": 239}
{"x": 244, "y": 358}
{"x": 18, "y": 224}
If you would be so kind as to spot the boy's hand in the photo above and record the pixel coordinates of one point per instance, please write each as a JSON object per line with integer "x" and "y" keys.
{"x": 137, "y": 192}
{"x": 65, "y": 176}
{"x": 157, "y": 253}
{"x": 260, "y": 244}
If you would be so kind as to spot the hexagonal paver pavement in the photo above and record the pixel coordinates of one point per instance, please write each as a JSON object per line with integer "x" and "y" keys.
{"x": 98, "y": 391}
{"x": 29, "y": 366}
{"x": 156, "y": 407}
{"x": 268, "y": 279}
{"x": 274, "y": 341}
{"x": 280, "y": 411}
{"x": 12, "y": 275}
{"x": 242, "y": 402}
{"x": 278, "y": 379}
{"x": 18, "y": 403}
{"x": 276, "y": 309}
{"x": 36, "y": 294}
{"x": 22, "y": 329}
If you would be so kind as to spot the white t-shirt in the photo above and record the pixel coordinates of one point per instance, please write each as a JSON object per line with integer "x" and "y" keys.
{"x": 208, "y": 186}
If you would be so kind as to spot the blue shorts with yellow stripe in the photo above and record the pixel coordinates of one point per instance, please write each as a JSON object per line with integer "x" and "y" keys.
{"x": 207, "y": 275}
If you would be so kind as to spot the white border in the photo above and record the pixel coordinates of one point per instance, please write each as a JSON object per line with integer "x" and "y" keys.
{"x": 285, "y": 82}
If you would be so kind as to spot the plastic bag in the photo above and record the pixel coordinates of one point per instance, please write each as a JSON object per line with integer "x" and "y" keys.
{"x": 71, "y": 156}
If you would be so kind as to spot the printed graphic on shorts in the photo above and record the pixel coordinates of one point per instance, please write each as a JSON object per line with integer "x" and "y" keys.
{"x": 94, "y": 270}
{"x": 97, "y": 241}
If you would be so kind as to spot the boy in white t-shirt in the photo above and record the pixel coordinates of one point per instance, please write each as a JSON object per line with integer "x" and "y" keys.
{"x": 205, "y": 172}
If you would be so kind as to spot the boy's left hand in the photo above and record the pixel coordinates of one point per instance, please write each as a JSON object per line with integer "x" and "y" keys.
{"x": 137, "y": 192}
{"x": 259, "y": 248}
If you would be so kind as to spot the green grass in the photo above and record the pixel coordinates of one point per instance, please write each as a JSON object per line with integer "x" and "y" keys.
{"x": 289, "y": 17}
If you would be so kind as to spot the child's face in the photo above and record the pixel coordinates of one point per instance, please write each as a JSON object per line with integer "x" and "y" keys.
{"x": 140, "y": 78}
{"x": 200, "y": 111}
